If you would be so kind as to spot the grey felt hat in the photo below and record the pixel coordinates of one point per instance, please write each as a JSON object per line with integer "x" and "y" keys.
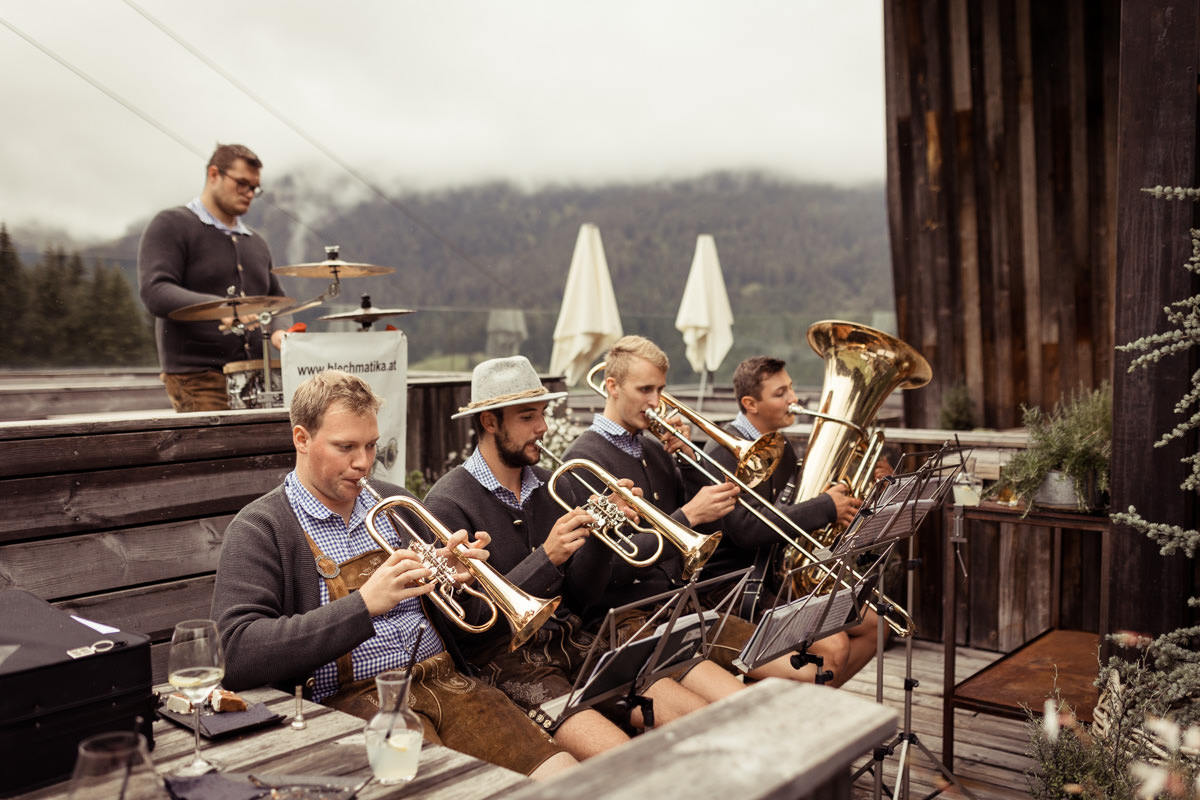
{"x": 504, "y": 382}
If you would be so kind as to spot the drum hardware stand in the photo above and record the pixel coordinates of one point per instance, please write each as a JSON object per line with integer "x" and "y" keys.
{"x": 265, "y": 317}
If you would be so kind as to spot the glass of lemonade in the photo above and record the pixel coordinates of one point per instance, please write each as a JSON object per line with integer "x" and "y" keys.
{"x": 395, "y": 734}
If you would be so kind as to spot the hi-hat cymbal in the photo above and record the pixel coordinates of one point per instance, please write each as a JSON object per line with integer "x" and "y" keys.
{"x": 332, "y": 268}
{"x": 368, "y": 314}
{"x": 229, "y": 307}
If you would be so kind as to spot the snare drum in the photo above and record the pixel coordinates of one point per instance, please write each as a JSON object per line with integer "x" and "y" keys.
{"x": 244, "y": 382}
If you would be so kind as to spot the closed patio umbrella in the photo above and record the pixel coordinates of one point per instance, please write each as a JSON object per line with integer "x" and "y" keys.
{"x": 588, "y": 322}
{"x": 705, "y": 318}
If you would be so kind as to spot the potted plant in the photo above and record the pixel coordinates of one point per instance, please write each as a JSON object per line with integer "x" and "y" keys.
{"x": 1069, "y": 449}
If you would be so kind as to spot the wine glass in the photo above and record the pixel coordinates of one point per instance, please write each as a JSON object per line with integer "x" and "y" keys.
{"x": 195, "y": 666}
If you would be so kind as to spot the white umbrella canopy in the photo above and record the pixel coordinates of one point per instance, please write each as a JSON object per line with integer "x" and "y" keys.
{"x": 588, "y": 322}
{"x": 705, "y": 318}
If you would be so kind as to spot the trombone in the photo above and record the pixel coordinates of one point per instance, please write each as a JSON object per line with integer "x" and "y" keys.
{"x": 608, "y": 519}
{"x": 525, "y": 613}
{"x": 661, "y": 428}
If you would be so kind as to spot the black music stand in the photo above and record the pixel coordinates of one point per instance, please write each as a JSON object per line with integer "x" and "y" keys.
{"x": 678, "y": 632}
{"x": 902, "y": 504}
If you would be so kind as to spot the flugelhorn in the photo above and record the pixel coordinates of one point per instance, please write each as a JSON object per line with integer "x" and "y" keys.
{"x": 761, "y": 507}
{"x": 608, "y": 519}
{"x": 524, "y": 612}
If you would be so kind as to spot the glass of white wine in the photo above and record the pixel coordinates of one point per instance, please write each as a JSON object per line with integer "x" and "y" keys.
{"x": 195, "y": 666}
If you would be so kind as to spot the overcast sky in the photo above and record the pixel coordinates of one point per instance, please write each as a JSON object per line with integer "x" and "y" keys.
{"x": 420, "y": 94}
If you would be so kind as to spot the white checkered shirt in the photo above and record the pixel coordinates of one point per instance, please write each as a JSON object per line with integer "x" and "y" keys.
{"x": 395, "y": 631}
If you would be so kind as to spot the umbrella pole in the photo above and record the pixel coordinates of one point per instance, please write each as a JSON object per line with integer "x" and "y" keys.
{"x": 703, "y": 381}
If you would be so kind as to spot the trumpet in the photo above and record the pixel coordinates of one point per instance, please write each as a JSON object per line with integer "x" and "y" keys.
{"x": 661, "y": 428}
{"x": 608, "y": 519}
{"x": 524, "y": 612}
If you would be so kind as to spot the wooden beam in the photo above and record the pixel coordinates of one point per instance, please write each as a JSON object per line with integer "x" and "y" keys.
{"x": 1157, "y": 145}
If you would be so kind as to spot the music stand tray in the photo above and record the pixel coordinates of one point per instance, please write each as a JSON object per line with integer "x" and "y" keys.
{"x": 674, "y": 636}
{"x": 891, "y": 512}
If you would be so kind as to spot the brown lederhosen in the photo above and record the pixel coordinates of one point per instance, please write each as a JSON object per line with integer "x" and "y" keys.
{"x": 458, "y": 711}
{"x": 542, "y": 669}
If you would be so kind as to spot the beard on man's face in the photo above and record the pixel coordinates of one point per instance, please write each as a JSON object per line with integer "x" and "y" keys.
{"x": 513, "y": 454}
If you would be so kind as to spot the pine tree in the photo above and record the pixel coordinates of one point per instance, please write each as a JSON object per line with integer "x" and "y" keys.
{"x": 119, "y": 333}
{"x": 14, "y": 305}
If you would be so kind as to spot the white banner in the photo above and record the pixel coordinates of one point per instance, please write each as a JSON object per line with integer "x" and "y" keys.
{"x": 378, "y": 357}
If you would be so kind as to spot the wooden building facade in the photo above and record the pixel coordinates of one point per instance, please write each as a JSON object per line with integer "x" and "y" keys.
{"x": 1020, "y": 136}
{"x": 1001, "y": 143}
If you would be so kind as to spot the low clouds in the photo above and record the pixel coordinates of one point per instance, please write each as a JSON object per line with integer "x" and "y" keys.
{"x": 427, "y": 95}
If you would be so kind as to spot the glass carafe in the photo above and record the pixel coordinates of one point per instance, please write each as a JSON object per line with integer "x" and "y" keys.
{"x": 115, "y": 766}
{"x": 394, "y": 735}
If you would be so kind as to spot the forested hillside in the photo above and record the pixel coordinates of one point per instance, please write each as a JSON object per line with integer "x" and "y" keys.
{"x": 790, "y": 253}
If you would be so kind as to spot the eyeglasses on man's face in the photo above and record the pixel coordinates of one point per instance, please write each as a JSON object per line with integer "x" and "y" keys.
{"x": 244, "y": 185}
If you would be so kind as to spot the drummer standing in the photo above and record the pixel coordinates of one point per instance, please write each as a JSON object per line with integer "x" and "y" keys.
{"x": 196, "y": 254}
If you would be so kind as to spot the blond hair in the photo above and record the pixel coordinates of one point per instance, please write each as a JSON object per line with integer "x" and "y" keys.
{"x": 314, "y": 397}
{"x": 626, "y": 350}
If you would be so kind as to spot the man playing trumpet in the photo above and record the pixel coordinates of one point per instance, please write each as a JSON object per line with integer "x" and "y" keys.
{"x": 543, "y": 551}
{"x": 303, "y": 593}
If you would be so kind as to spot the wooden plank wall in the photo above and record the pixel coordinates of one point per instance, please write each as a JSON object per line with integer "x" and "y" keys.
{"x": 1001, "y": 151}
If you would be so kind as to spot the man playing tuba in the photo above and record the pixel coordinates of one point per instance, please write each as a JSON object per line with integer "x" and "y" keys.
{"x": 634, "y": 378}
{"x": 764, "y": 393}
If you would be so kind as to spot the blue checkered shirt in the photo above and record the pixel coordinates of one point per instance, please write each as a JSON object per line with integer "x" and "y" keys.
{"x": 745, "y": 427}
{"x": 395, "y": 631}
{"x": 628, "y": 443}
{"x": 480, "y": 471}
{"x": 197, "y": 208}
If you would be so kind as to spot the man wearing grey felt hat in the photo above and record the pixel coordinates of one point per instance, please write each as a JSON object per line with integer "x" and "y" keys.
{"x": 501, "y": 490}
{"x": 504, "y": 382}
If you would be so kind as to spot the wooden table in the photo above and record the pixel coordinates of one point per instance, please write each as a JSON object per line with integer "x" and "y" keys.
{"x": 956, "y": 534}
{"x": 320, "y": 749}
{"x": 776, "y": 739}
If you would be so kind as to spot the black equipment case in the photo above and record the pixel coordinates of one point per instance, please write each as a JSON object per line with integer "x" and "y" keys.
{"x": 60, "y": 682}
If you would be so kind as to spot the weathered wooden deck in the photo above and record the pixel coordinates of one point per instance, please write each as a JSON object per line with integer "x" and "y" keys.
{"x": 990, "y": 751}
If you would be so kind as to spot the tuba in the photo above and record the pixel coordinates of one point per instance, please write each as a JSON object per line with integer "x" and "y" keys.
{"x": 525, "y": 613}
{"x": 862, "y": 367}
{"x": 608, "y": 519}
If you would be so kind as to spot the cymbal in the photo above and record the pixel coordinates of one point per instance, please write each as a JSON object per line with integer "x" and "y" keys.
{"x": 332, "y": 268}
{"x": 219, "y": 309}
{"x": 368, "y": 314}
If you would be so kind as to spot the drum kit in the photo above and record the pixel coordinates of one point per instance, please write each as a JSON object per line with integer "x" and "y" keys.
{"x": 258, "y": 383}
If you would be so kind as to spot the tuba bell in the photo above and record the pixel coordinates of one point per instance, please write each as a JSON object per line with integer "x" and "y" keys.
{"x": 524, "y": 612}
{"x": 862, "y": 367}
